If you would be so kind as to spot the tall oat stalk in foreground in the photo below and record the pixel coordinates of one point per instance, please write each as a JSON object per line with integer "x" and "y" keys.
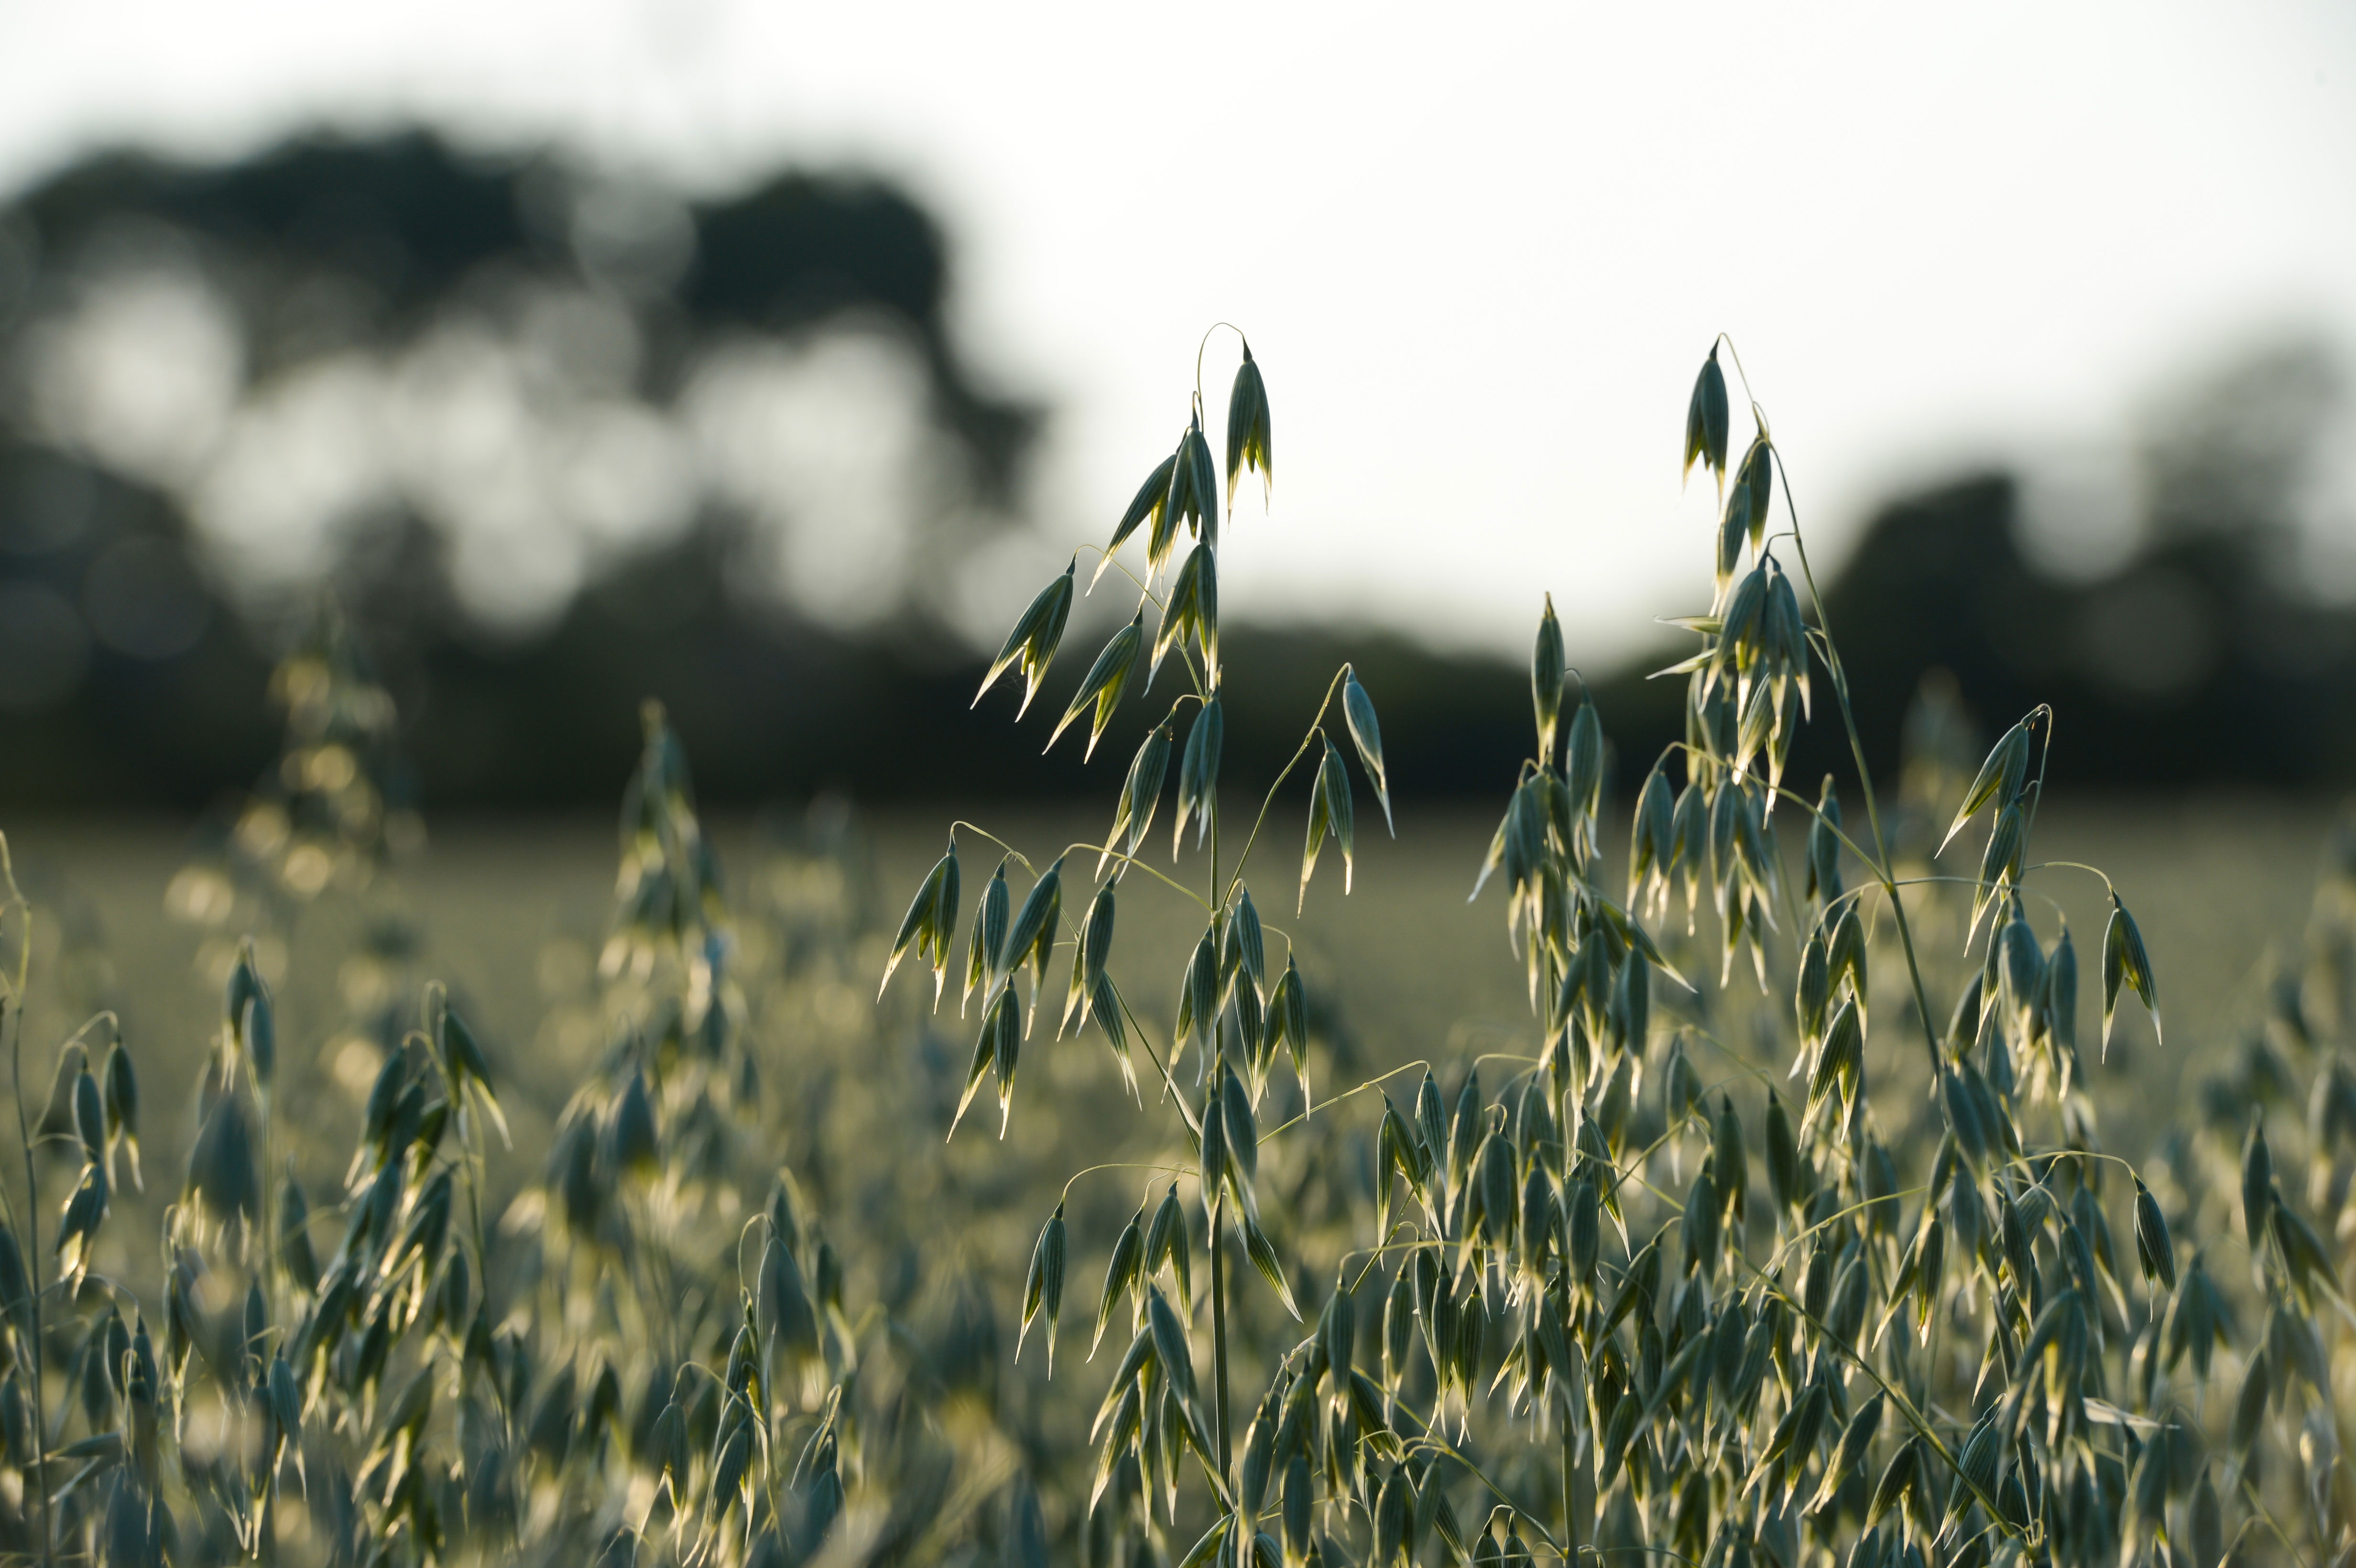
{"x": 1919, "y": 1340}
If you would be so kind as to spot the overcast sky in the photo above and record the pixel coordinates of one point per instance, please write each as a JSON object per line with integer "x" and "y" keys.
{"x": 1479, "y": 251}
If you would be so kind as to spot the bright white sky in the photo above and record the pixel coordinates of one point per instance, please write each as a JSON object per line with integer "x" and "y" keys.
{"x": 1479, "y": 251}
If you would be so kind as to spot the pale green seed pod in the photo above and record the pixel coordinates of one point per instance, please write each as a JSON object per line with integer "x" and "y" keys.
{"x": 989, "y": 934}
{"x": 1244, "y": 950}
{"x": 1146, "y": 506}
{"x": 2155, "y": 1253}
{"x": 925, "y": 926}
{"x": 2257, "y": 1185}
{"x": 635, "y": 1146}
{"x": 1141, "y": 793}
{"x": 1706, "y": 419}
{"x": 2061, "y": 994}
{"x": 1032, "y": 641}
{"x": 2000, "y": 778}
{"x": 1249, "y": 444}
{"x": 1583, "y": 761}
{"x": 1043, "y": 1286}
{"x": 90, "y": 1116}
{"x": 1366, "y": 734}
{"x": 1547, "y": 670}
{"x": 2124, "y": 961}
{"x": 1107, "y": 678}
{"x": 1243, "y": 1131}
{"x": 1198, "y": 776}
{"x": 260, "y": 1036}
{"x": 1263, "y": 1253}
{"x": 1166, "y": 1241}
{"x": 1090, "y": 955}
{"x": 1191, "y": 608}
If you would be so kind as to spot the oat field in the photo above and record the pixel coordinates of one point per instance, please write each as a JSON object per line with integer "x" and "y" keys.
{"x": 512, "y": 912}
{"x": 1736, "y": 1170}
{"x": 514, "y": 916}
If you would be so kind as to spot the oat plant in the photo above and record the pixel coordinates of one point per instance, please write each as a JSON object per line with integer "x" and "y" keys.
{"x": 1822, "y": 1295}
{"x": 645, "y": 1356}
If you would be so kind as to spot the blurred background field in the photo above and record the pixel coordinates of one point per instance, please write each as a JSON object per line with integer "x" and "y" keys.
{"x": 512, "y": 913}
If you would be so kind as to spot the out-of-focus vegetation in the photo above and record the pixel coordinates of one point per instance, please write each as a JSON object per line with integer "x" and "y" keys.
{"x": 562, "y": 440}
{"x": 930, "y": 1239}
{"x": 511, "y": 913}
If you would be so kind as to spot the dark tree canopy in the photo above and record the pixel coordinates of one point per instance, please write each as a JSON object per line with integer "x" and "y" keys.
{"x": 406, "y": 222}
{"x": 132, "y": 672}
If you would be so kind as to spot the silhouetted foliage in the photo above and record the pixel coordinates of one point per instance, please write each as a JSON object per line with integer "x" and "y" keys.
{"x": 132, "y": 675}
{"x": 332, "y": 241}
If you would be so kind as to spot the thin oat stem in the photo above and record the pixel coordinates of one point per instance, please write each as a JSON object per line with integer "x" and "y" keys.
{"x": 1374, "y": 1254}
{"x": 1220, "y": 1334}
{"x": 2108, "y": 886}
{"x": 1881, "y": 863}
{"x": 32, "y": 1218}
{"x": 980, "y": 832}
{"x": 1169, "y": 1084}
{"x": 1739, "y": 1061}
{"x": 1431, "y": 1442}
{"x": 1977, "y": 883}
{"x": 103, "y": 1016}
{"x": 1331, "y": 1100}
{"x": 1208, "y": 333}
{"x": 1783, "y": 1247}
{"x": 2044, "y": 756}
{"x": 1115, "y": 562}
{"x": 1125, "y": 1165}
{"x": 1316, "y": 733}
{"x": 1757, "y": 413}
{"x": 1906, "y": 1407}
{"x": 1128, "y": 860}
{"x": 2250, "y": 1490}
{"x": 1622, "y": 1178}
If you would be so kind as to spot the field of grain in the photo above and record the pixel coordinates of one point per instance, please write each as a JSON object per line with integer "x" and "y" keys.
{"x": 924, "y": 1231}
{"x": 511, "y": 914}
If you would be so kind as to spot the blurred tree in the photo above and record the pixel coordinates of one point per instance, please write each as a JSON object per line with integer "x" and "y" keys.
{"x": 561, "y": 440}
{"x": 2210, "y": 654}
{"x": 544, "y": 364}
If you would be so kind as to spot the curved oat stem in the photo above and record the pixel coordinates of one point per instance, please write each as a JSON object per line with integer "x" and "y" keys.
{"x": 1128, "y": 860}
{"x": 1331, "y": 1100}
{"x": 2108, "y": 886}
{"x": 1897, "y": 1399}
{"x": 1124, "y": 1165}
{"x": 1208, "y": 333}
{"x": 1316, "y": 733}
